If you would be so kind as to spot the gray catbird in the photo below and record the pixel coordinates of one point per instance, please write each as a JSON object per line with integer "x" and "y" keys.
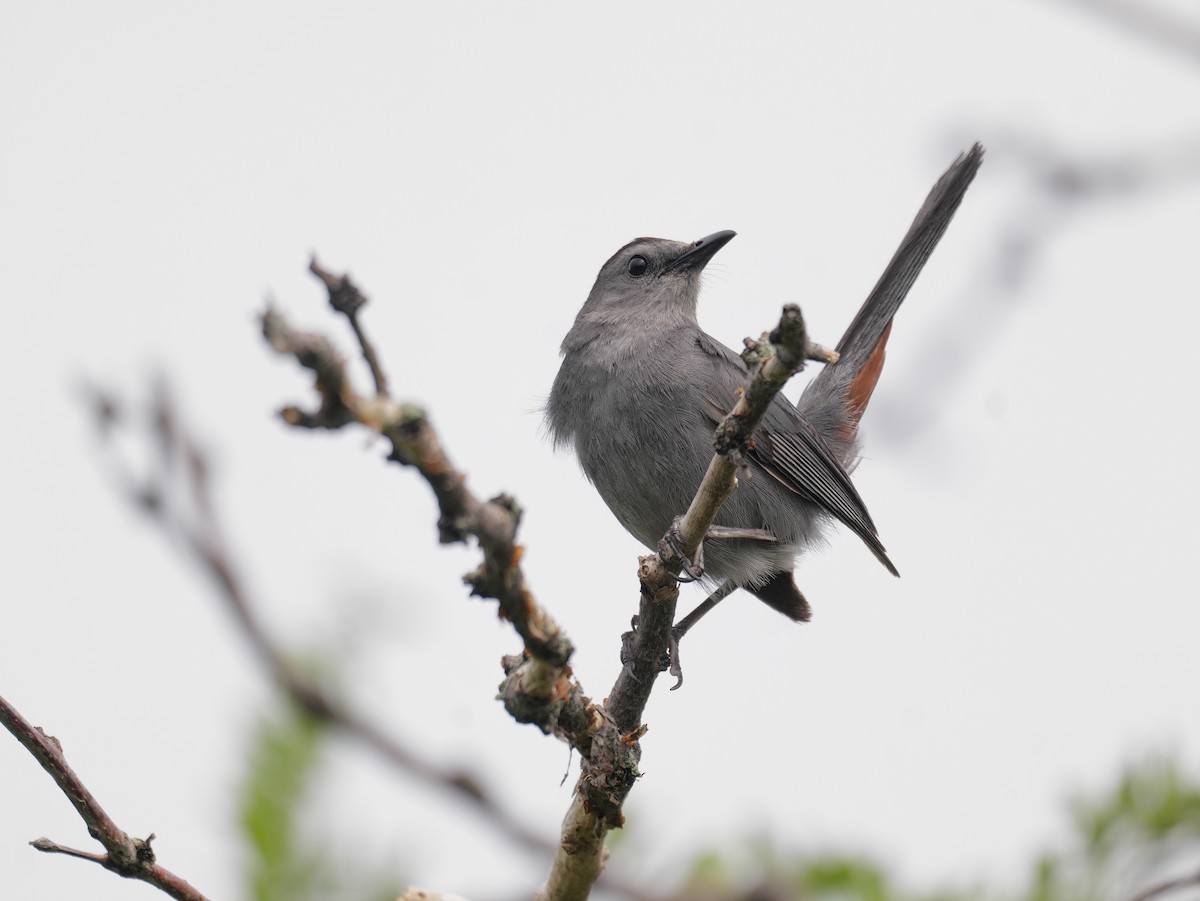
{"x": 642, "y": 387}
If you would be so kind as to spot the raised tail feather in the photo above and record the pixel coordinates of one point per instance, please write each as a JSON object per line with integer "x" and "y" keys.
{"x": 850, "y": 382}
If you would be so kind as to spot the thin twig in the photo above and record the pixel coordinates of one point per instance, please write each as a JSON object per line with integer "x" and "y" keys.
{"x": 132, "y": 858}
{"x": 345, "y": 297}
{"x": 416, "y": 443}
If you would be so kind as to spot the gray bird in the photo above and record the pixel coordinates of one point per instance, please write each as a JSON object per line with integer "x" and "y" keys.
{"x": 642, "y": 387}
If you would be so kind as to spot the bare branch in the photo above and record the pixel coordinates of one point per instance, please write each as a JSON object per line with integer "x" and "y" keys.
{"x": 416, "y": 443}
{"x": 1070, "y": 176}
{"x": 132, "y": 858}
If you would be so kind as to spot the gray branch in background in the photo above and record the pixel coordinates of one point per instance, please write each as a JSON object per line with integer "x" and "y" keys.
{"x": 1054, "y": 187}
{"x": 1154, "y": 23}
{"x": 177, "y": 497}
{"x": 1164, "y": 888}
{"x": 1057, "y": 184}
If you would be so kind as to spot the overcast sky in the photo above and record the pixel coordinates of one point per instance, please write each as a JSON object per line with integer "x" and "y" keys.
{"x": 1029, "y": 452}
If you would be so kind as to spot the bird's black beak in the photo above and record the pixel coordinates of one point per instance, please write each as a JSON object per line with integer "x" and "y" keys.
{"x": 697, "y": 256}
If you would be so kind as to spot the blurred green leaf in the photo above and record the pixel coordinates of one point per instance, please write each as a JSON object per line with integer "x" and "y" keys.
{"x": 287, "y": 862}
{"x": 1138, "y": 832}
{"x": 1151, "y": 802}
{"x": 285, "y": 749}
{"x": 843, "y": 877}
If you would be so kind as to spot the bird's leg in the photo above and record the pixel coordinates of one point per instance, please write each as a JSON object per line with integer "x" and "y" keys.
{"x": 681, "y": 628}
{"x": 724, "y": 533}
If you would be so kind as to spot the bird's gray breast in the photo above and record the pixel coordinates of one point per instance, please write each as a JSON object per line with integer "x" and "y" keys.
{"x": 636, "y": 424}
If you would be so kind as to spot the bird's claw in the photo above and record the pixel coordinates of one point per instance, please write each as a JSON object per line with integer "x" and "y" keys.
{"x": 675, "y": 668}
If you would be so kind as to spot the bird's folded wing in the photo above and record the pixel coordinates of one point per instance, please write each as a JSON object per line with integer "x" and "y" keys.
{"x": 790, "y": 450}
{"x": 803, "y": 463}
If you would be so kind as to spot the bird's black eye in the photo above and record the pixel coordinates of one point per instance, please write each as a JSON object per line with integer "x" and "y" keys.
{"x": 637, "y": 266}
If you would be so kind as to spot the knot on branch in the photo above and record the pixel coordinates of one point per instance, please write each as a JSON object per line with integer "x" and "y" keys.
{"x": 789, "y": 337}
{"x": 495, "y": 524}
{"x": 344, "y": 295}
{"x": 731, "y": 435}
{"x": 757, "y": 351}
{"x": 145, "y": 854}
{"x": 608, "y": 776}
{"x": 405, "y": 428}
{"x": 658, "y": 583}
{"x": 778, "y": 356}
{"x": 313, "y": 352}
{"x": 468, "y": 785}
{"x": 510, "y": 506}
{"x": 409, "y": 420}
{"x": 549, "y": 698}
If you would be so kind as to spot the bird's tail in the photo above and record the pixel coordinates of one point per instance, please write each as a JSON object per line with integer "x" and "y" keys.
{"x": 835, "y": 400}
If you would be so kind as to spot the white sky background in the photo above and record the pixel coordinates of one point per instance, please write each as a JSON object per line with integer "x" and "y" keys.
{"x": 164, "y": 169}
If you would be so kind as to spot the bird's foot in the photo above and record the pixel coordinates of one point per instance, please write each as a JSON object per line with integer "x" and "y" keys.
{"x": 671, "y": 547}
{"x": 627, "y": 648}
{"x": 627, "y": 641}
{"x": 681, "y": 628}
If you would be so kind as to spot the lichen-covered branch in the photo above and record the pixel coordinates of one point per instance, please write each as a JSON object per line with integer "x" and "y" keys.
{"x": 493, "y": 523}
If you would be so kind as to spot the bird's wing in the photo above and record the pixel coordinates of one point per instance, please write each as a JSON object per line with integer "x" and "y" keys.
{"x": 789, "y": 449}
